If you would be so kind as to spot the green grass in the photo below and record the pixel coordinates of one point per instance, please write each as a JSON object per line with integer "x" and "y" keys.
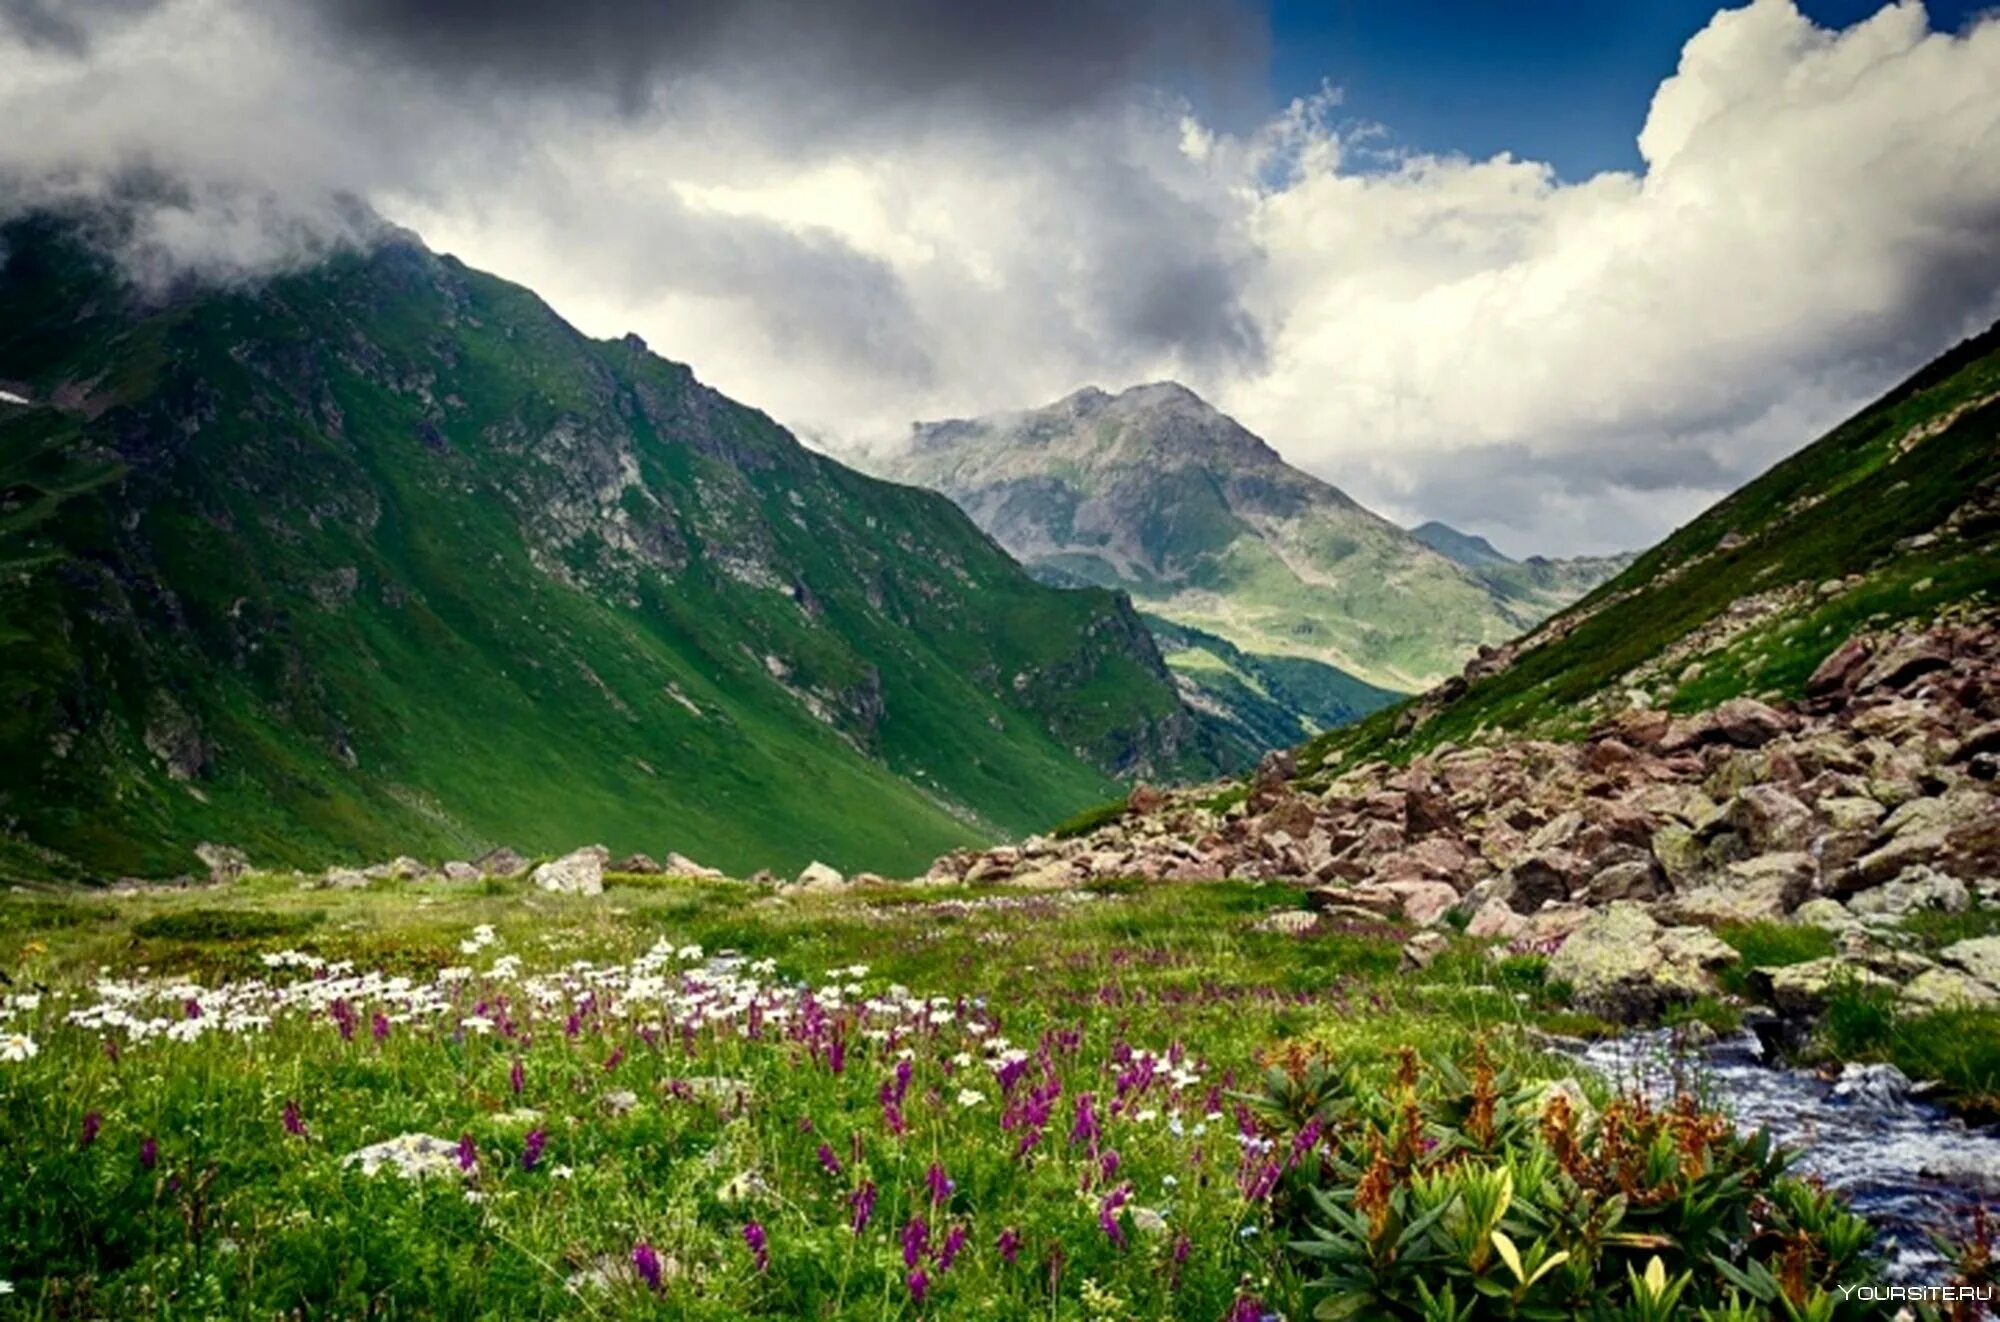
{"x": 1935, "y": 929}
{"x": 1960, "y": 1049}
{"x": 1771, "y": 945}
{"x": 241, "y": 1218}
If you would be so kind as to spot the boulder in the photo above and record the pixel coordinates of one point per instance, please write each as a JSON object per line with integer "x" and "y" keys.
{"x": 459, "y": 870}
{"x": 1422, "y": 950}
{"x": 1624, "y": 966}
{"x": 1979, "y": 956}
{"x": 1740, "y": 722}
{"x": 1762, "y": 889}
{"x": 1917, "y": 889}
{"x": 1842, "y": 667}
{"x": 1823, "y": 912}
{"x": 1544, "y": 877}
{"x": 1637, "y": 880}
{"x": 502, "y": 862}
{"x": 680, "y": 865}
{"x": 1495, "y": 919}
{"x": 1769, "y": 819}
{"x": 638, "y": 865}
{"x": 818, "y": 879}
{"x": 1424, "y": 902}
{"x": 1802, "y": 990}
{"x": 343, "y": 879}
{"x": 1948, "y": 989}
{"x": 578, "y": 873}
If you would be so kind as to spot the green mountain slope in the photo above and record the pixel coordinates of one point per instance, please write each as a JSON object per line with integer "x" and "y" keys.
{"x": 386, "y": 557}
{"x": 1155, "y": 492}
{"x": 1894, "y": 516}
{"x": 1261, "y": 702}
{"x": 1539, "y": 585}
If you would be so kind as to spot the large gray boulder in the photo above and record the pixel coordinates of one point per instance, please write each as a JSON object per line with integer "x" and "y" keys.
{"x": 580, "y": 873}
{"x": 1624, "y": 966}
{"x": 1979, "y": 956}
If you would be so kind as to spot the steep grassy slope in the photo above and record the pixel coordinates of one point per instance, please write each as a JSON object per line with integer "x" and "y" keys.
{"x": 1263, "y": 701}
{"x": 386, "y": 557}
{"x": 1154, "y": 491}
{"x": 1895, "y": 515}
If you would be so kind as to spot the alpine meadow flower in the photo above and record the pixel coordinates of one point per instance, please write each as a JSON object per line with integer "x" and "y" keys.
{"x": 753, "y": 1235}
{"x": 862, "y": 1205}
{"x": 646, "y": 1262}
{"x": 15, "y": 1047}
{"x": 531, "y": 1151}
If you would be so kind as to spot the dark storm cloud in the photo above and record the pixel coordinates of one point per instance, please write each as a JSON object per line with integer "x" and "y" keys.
{"x": 1024, "y": 60}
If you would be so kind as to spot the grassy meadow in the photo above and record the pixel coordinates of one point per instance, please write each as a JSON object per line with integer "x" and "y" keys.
{"x": 686, "y": 1099}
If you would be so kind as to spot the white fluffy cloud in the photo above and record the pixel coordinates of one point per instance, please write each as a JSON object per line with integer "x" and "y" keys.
{"x": 1563, "y": 365}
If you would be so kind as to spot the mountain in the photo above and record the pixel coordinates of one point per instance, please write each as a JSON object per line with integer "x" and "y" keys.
{"x": 1154, "y": 491}
{"x": 1466, "y": 548}
{"x": 1538, "y": 585}
{"x": 385, "y": 557}
{"x": 1890, "y": 520}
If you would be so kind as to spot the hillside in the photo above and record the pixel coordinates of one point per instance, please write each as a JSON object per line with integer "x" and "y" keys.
{"x": 385, "y": 557}
{"x": 1894, "y": 516}
{"x": 1154, "y": 491}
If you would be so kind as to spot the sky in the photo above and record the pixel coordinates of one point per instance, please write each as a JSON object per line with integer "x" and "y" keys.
{"x": 1562, "y": 274}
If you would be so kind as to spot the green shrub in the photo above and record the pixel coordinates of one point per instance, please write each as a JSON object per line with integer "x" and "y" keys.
{"x": 1090, "y": 819}
{"x": 1454, "y": 1195}
{"x": 226, "y": 925}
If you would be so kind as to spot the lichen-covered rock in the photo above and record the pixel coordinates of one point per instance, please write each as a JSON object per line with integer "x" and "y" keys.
{"x": 1624, "y": 966}
{"x": 1802, "y": 990}
{"x": 1979, "y": 956}
{"x": 1919, "y": 889}
{"x": 1948, "y": 989}
{"x": 1762, "y": 889}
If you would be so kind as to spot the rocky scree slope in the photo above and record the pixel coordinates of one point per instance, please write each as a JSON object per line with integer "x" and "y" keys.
{"x": 1154, "y": 491}
{"x": 386, "y": 557}
{"x": 1875, "y": 797}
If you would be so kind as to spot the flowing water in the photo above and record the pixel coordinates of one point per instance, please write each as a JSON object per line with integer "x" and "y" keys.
{"x": 1909, "y": 1166}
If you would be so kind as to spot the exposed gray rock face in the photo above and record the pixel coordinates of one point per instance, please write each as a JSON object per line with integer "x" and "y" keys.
{"x": 580, "y": 873}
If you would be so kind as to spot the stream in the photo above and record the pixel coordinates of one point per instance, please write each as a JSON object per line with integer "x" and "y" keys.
{"x": 1907, "y": 1165}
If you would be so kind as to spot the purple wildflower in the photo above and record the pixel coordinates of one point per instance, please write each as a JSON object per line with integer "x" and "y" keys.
{"x": 862, "y": 1204}
{"x": 646, "y": 1261}
{"x": 1086, "y": 1129}
{"x": 1009, "y": 1245}
{"x": 916, "y": 1241}
{"x": 920, "y": 1285}
{"x": 954, "y": 1244}
{"x": 1247, "y": 1308}
{"x": 295, "y": 1124}
{"x": 149, "y": 1152}
{"x": 1107, "y": 1214}
{"x": 379, "y": 1025}
{"x": 753, "y": 1235}
{"x": 828, "y": 1160}
{"x": 91, "y": 1124}
{"x": 517, "y": 1078}
{"x": 468, "y": 1155}
{"x": 939, "y": 1183}
{"x": 343, "y": 1019}
{"x": 531, "y": 1152}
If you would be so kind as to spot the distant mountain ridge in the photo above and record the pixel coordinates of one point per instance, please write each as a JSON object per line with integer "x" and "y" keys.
{"x": 1154, "y": 491}
{"x": 385, "y": 557}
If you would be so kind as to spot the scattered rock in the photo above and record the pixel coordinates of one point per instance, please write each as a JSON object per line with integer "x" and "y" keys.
{"x": 1624, "y": 966}
{"x": 1422, "y": 950}
{"x": 639, "y": 865}
{"x": 502, "y": 862}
